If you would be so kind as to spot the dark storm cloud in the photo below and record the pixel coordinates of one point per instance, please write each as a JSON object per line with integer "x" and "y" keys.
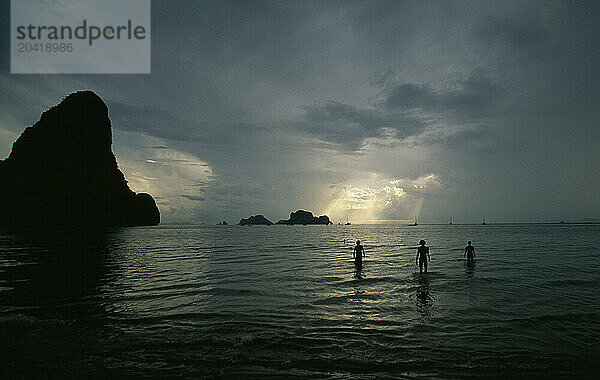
{"x": 156, "y": 122}
{"x": 348, "y": 127}
{"x": 194, "y": 198}
{"x": 503, "y": 95}
{"x": 472, "y": 97}
{"x": 145, "y": 118}
{"x": 158, "y": 147}
{"x": 407, "y": 110}
{"x": 521, "y": 33}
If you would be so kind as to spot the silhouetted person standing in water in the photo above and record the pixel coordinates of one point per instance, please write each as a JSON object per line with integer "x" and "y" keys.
{"x": 358, "y": 254}
{"x": 469, "y": 253}
{"x": 422, "y": 256}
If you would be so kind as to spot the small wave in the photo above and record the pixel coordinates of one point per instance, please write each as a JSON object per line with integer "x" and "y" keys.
{"x": 340, "y": 299}
{"x": 572, "y": 282}
{"x": 373, "y": 280}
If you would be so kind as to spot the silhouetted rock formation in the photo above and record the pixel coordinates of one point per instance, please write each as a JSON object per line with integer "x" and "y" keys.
{"x": 223, "y": 223}
{"x": 256, "y": 219}
{"x": 305, "y": 217}
{"x": 62, "y": 171}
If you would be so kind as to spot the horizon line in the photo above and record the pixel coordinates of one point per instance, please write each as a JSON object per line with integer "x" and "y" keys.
{"x": 407, "y": 223}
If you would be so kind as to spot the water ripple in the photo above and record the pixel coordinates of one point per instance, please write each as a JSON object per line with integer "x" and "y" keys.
{"x": 249, "y": 302}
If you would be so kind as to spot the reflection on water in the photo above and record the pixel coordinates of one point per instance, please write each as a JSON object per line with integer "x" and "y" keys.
{"x": 247, "y": 302}
{"x": 469, "y": 269}
{"x": 358, "y": 267}
{"x": 423, "y": 296}
{"x": 50, "y": 284}
{"x": 50, "y": 271}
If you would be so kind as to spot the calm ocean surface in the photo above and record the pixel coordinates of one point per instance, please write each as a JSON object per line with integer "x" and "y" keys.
{"x": 286, "y": 301}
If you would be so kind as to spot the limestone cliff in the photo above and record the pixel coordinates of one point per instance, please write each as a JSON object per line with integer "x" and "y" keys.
{"x": 62, "y": 171}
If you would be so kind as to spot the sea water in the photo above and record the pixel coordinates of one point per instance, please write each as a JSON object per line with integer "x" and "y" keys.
{"x": 287, "y": 301}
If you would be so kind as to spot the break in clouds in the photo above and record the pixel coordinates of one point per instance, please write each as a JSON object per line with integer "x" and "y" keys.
{"x": 361, "y": 110}
{"x": 386, "y": 199}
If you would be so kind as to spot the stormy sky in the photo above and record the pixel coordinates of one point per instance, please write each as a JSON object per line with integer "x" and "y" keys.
{"x": 367, "y": 110}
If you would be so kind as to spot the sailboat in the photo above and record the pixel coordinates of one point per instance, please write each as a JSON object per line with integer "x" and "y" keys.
{"x": 348, "y": 221}
{"x": 415, "y": 223}
{"x": 483, "y": 217}
{"x": 450, "y": 220}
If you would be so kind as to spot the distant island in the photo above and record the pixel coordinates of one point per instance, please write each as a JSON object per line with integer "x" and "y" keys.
{"x": 255, "y": 220}
{"x": 305, "y": 217}
{"x": 298, "y": 217}
{"x": 62, "y": 171}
